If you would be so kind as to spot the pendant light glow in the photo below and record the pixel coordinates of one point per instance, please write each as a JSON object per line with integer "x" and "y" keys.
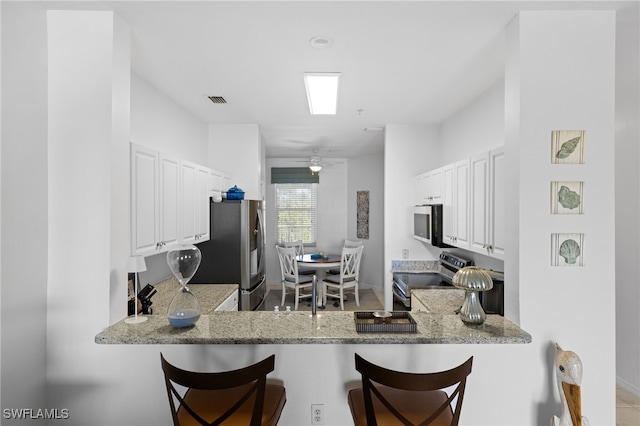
{"x": 322, "y": 92}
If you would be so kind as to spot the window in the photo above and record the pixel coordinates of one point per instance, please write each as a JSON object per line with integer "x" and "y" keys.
{"x": 296, "y": 212}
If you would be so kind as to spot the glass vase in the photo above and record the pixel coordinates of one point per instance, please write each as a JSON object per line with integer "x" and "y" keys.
{"x": 184, "y": 309}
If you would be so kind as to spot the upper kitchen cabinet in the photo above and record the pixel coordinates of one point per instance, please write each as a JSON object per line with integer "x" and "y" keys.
{"x": 215, "y": 181}
{"x": 487, "y": 212}
{"x": 169, "y": 201}
{"x": 196, "y": 190}
{"x": 487, "y": 207}
{"x": 237, "y": 150}
{"x": 429, "y": 187}
{"x": 455, "y": 203}
{"x": 154, "y": 200}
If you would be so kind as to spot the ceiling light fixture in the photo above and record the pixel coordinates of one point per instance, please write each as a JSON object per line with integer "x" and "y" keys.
{"x": 315, "y": 169}
{"x": 314, "y": 165}
{"x": 322, "y": 92}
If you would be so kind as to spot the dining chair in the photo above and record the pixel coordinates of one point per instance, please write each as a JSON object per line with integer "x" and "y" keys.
{"x": 389, "y": 397}
{"x": 348, "y": 277}
{"x": 299, "y": 246}
{"x": 238, "y": 397}
{"x": 348, "y": 244}
{"x": 290, "y": 278}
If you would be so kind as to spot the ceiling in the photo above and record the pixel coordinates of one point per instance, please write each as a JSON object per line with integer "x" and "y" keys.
{"x": 401, "y": 62}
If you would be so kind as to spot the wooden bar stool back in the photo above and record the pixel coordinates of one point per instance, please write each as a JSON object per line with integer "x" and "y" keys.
{"x": 238, "y": 397}
{"x": 389, "y": 397}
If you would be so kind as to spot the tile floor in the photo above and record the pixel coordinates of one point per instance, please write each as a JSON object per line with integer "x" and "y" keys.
{"x": 627, "y": 408}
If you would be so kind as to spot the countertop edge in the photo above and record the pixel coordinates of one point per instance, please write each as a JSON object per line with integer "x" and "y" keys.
{"x": 218, "y": 329}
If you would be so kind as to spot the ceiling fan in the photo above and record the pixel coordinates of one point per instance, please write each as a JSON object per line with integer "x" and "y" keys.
{"x": 315, "y": 162}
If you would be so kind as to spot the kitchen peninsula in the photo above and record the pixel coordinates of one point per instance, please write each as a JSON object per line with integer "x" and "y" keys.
{"x": 266, "y": 327}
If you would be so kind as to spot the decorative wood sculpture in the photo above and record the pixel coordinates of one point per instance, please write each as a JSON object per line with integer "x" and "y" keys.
{"x": 569, "y": 376}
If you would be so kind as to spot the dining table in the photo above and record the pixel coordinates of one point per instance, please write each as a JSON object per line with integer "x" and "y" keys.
{"x": 321, "y": 263}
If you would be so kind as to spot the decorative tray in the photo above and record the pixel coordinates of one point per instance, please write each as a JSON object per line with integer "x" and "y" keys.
{"x": 385, "y": 322}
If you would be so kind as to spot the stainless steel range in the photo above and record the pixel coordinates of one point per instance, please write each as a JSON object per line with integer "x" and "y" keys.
{"x": 404, "y": 282}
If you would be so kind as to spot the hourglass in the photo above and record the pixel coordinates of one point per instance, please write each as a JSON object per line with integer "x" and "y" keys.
{"x": 184, "y": 309}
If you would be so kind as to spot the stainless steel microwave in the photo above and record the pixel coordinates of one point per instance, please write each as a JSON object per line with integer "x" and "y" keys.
{"x": 427, "y": 224}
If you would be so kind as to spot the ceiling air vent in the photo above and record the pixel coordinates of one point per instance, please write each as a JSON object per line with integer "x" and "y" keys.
{"x": 217, "y": 99}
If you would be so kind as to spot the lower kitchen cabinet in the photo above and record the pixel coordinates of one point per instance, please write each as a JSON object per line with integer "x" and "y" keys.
{"x": 230, "y": 303}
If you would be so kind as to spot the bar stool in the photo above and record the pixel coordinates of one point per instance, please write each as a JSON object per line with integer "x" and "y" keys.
{"x": 238, "y": 397}
{"x": 407, "y": 398}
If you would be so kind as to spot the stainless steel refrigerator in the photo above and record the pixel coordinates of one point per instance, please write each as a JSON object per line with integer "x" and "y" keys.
{"x": 234, "y": 253}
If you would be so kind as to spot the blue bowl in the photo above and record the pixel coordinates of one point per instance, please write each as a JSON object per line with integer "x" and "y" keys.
{"x": 235, "y": 195}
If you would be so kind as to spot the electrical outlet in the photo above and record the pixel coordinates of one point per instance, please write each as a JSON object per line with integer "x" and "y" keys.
{"x": 317, "y": 414}
{"x": 405, "y": 253}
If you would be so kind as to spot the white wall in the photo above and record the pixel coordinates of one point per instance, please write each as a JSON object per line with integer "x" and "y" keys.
{"x": 477, "y": 127}
{"x": 560, "y": 75}
{"x": 24, "y": 205}
{"x": 86, "y": 80}
{"x": 332, "y": 210}
{"x": 408, "y": 151}
{"x": 367, "y": 174}
{"x": 627, "y": 204}
{"x": 236, "y": 150}
{"x": 159, "y": 123}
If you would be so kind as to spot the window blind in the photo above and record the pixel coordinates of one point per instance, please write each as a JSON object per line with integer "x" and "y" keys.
{"x": 293, "y": 175}
{"x": 296, "y": 212}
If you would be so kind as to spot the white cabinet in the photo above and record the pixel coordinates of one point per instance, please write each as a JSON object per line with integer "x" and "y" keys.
{"x": 169, "y": 192}
{"x": 480, "y": 203}
{"x": 216, "y": 181}
{"x": 487, "y": 211}
{"x": 230, "y": 303}
{"x": 203, "y": 194}
{"x": 428, "y": 187}
{"x": 169, "y": 201}
{"x": 154, "y": 201}
{"x": 497, "y": 203}
{"x": 194, "y": 201}
{"x": 455, "y": 203}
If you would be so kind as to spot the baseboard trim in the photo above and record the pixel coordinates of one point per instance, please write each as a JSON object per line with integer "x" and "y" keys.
{"x": 628, "y": 386}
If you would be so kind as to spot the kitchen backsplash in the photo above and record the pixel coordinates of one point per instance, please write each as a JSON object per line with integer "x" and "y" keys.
{"x": 406, "y": 265}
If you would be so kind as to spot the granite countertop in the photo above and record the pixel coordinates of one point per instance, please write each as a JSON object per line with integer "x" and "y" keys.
{"x": 438, "y": 326}
{"x": 210, "y": 296}
{"x": 440, "y": 300}
{"x": 266, "y": 327}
